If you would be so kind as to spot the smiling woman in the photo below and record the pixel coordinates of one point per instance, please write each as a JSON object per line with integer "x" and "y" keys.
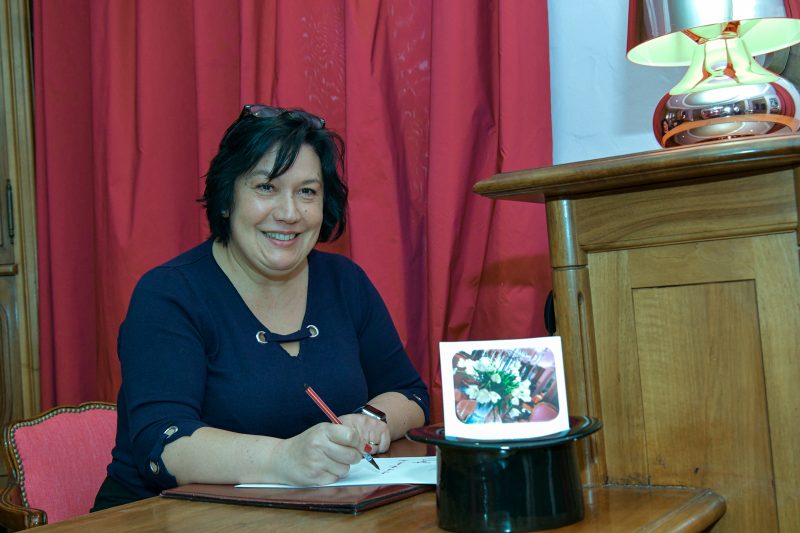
{"x": 219, "y": 343}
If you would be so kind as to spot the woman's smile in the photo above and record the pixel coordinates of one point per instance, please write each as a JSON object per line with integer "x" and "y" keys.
{"x": 280, "y": 236}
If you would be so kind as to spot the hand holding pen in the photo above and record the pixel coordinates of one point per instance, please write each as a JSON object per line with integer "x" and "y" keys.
{"x": 334, "y": 419}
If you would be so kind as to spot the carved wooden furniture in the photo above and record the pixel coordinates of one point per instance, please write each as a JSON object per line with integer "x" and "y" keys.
{"x": 19, "y": 364}
{"x": 677, "y": 294}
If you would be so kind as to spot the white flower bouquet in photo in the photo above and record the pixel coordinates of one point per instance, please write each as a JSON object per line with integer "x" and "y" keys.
{"x": 503, "y": 389}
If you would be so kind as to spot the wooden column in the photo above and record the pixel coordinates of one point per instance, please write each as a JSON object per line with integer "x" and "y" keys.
{"x": 574, "y": 324}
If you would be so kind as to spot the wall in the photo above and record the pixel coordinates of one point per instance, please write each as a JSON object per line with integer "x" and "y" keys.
{"x": 602, "y": 104}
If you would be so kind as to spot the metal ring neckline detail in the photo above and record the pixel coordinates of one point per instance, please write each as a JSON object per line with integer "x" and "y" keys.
{"x": 311, "y": 331}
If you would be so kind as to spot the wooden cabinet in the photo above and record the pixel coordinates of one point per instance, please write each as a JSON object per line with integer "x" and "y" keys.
{"x": 19, "y": 381}
{"x": 677, "y": 293}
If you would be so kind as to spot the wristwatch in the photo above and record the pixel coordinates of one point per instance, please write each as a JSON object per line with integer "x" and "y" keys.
{"x": 374, "y": 412}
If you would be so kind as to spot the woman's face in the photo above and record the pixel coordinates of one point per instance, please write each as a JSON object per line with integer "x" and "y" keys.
{"x": 275, "y": 224}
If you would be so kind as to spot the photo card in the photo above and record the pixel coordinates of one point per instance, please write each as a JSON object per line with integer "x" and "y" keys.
{"x": 503, "y": 389}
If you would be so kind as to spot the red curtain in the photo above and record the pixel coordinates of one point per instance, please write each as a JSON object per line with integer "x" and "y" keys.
{"x": 431, "y": 96}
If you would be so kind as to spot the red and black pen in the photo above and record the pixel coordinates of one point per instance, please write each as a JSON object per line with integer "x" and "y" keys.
{"x": 333, "y": 418}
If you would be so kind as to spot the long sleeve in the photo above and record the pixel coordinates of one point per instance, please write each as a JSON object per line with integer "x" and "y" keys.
{"x": 163, "y": 357}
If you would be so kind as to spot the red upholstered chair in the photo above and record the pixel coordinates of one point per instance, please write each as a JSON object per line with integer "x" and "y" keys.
{"x": 56, "y": 461}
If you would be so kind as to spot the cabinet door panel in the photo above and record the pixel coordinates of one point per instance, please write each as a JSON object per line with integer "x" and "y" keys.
{"x": 703, "y": 392}
{"x": 19, "y": 363}
{"x": 10, "y": 375}
{"x": 10, "y": 396}
{"x": 6, "y": 222}
{"x": 697, "y": 355}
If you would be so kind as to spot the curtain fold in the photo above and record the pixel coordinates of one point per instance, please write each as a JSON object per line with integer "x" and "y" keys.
{"x": 430, "y": 96}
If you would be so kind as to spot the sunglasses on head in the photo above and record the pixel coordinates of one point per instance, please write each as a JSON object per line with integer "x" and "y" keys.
{"x": 265, "y": 111}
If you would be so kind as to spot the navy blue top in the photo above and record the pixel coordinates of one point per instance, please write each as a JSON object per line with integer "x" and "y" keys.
{"x": 191, "y": 358}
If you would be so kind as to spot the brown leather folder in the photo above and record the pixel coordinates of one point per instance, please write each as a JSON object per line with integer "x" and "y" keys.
{"x": 353, "y": 499}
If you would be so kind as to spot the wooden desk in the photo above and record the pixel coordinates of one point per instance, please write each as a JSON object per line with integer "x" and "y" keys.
{"x": 608, "y": 509}
{"x": 676, "y": 283}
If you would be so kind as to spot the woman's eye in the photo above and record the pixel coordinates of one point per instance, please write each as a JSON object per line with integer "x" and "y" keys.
{"x": 265, "y": 187}
{"x": 308, "y": 192}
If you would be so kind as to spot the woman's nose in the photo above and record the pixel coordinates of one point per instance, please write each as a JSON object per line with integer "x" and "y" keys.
{"x": 286, "y": 209}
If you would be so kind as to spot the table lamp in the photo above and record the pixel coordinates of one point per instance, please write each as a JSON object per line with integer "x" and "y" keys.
{"x": 725, "y": 93}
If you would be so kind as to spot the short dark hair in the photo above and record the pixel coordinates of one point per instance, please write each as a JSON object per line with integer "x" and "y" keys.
{"x": 244, "y": 144}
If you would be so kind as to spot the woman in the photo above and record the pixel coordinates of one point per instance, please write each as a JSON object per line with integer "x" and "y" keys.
{"x": 220, "y": 342}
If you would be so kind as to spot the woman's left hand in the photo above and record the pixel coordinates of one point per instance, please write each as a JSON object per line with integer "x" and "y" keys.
{"x": 375, "y": 432}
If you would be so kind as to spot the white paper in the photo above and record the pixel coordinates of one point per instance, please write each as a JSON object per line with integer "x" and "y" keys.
{"x": 394, "y": 471}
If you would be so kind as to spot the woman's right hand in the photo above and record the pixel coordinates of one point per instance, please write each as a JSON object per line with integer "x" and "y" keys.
{"x": 320, "y": 455}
